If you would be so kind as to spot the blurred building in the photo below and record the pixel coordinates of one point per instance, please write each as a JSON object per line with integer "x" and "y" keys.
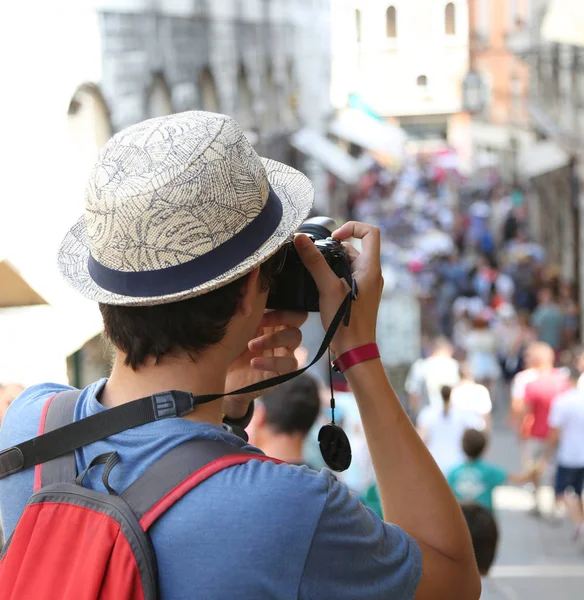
{"x": 500, "y": 122}
{"x": 86, "y": 70}
{"x": 552, "y": 48}
{"x": 406, "y": 59}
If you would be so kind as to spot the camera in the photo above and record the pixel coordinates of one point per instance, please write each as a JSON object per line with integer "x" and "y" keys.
{"x": 293, "y": 287}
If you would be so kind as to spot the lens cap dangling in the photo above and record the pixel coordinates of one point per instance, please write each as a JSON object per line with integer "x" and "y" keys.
{"x": 335, "y": 447}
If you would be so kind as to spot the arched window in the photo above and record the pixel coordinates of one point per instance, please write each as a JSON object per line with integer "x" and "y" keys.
{"x": 159, "y": 104}
{"x": 209, "y": 96}
{"x": 88, "y": 129}
{"x": 422, "y": 81}
{"x": 245, "y": 112}
{"x": 358, "y": 24}
{"x": 391, "y": 22}
{"x": 450, "y": 19}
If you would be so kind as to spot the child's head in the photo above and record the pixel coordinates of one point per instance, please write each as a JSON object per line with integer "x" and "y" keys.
{"x": 473, "y": 443}
{"x": 484, "y": 534}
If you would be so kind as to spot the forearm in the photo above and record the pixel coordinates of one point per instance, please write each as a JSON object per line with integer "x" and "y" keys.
{"x": 413, "y": 492}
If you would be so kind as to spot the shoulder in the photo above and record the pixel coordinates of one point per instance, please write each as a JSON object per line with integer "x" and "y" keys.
{"x": 23, "y": 415}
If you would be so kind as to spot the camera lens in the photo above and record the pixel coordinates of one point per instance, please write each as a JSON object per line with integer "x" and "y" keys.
{"x": 319, "y": 227}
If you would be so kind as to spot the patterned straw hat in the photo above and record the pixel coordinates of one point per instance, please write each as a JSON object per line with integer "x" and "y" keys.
{"x": 178, "y": 206}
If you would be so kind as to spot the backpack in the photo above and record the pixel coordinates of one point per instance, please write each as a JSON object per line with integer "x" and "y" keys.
{"x": 73, "y": 543}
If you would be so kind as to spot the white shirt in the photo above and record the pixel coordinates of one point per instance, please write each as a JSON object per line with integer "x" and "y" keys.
{"x": 443, "y": 434}
{"x": 429, "y": 375}
{"x": 472, "y": 397}
{"x": 567, "y": 415}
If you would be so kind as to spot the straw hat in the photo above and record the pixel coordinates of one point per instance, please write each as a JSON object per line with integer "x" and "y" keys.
{"x": 178, "y": 206}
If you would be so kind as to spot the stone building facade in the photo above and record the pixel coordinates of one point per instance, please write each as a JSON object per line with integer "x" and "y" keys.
{"x": 84, "y": 69}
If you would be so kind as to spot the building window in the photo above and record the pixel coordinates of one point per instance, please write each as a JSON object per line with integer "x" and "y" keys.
{"x": 391, "y": 22}
{"x": 450, "y": 19}
{"x": 358, "y": 24}
{"x": 422, "y": 81}
{"x": 482, "y": 20}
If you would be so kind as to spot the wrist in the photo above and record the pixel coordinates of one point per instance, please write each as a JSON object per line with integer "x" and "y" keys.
{"x": 355, "y": 356}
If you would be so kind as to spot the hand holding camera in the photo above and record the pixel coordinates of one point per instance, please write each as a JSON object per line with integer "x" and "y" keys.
{"x": 365, "y": 268}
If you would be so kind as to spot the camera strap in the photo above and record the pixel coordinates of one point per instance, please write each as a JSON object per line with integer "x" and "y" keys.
{"x": 132, "y": 414}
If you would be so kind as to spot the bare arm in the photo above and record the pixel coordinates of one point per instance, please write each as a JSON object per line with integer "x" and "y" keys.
{"x": 413, "y": 492}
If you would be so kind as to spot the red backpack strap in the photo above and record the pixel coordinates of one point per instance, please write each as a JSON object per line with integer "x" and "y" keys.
{"x": 178, "y": 472}
{"x": 57, "y": 412}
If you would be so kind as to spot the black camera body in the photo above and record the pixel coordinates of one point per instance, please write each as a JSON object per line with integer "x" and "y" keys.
{"x": 294, "y": 288}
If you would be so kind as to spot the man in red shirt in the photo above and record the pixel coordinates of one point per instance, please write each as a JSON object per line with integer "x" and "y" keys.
{"x": 539, "y": 395}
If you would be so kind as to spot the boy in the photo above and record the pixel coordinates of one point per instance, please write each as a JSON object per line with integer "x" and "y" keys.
{"x": 476, "y": 479}
{"x": 485, "y": 539}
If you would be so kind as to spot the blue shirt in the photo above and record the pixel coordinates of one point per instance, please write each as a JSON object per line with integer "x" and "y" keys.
{"x": 256, "y": 530}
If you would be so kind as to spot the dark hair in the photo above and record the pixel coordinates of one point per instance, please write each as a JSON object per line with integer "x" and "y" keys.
{"x": 445, "y": 392}
{"x": 190, "y": 325}
{"x": 484, "y": 534}
{"x": 293, "y": 407}
{"x": 573, "y": 373}
{"x": 473, "y": 443}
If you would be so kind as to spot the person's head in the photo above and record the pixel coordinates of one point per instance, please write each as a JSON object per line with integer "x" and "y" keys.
{"x": 446, "y": 393}
{"x": 183, "y": 227}
{"x": 149, "y": 334}
{"x": 541, "y": 355}
{"x": 465, "y": 370}
{"x": 289, "y": 410}
{"x": 545, "y": 296}
{"x": 8, "y": 393}
{"x": 573, "y": 375}
{"x": 484, "y": 534}
{"x": 442, "y": 347}
{"x": 474, "y": 443}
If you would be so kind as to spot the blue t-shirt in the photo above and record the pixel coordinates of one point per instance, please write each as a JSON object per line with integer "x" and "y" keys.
{"x": 256, "y": 530}
{"x": 475, "y": 481}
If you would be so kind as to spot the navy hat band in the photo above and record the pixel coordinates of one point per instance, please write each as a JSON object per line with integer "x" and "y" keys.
{"x": 199, "y": 270}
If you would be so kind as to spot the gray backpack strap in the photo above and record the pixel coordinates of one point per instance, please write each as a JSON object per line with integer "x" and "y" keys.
{"x": 60, "y": 413}
{"x": 179, "y": 471}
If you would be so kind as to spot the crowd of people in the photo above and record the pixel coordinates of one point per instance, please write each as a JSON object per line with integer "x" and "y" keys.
{"x": 501, "y": 350}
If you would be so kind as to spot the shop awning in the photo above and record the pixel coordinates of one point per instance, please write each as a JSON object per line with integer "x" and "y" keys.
{"x": 564, "y": 22}
{"x": 14, "y": 290}
{"x": 543, "y": 157}
{"x": 335, "y": 160}
{"x": 369, "y": 133}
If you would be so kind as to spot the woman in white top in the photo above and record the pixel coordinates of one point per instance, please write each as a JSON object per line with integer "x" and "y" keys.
{"x": 442, "y": 428}
{"x": 472, "y": 397}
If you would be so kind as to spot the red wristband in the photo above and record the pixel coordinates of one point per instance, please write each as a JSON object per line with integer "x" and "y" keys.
{"x": 355, "y": 356}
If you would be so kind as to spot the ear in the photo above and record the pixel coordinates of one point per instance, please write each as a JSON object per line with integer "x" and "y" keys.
{"x": 249, "y": 292}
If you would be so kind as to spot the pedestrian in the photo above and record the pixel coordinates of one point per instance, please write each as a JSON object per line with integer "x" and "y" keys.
{"x": 507, "y": 332}
{"x": 548, "y": 319}
{"x": 484, "y": 533}
{"x": 474, "y": 479}
{"x": 428, "y": 376}
{"x": 473, "y": 397}
{"x": 571, "y": 312}
{"x": 179, "y": 246}
{"x": 539, "y": 396}
{"x": 481, "y": 348}
{"x": 284, "y": 416}
{"x": 442, "y": 429}
{"x": 566, "y": 437}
